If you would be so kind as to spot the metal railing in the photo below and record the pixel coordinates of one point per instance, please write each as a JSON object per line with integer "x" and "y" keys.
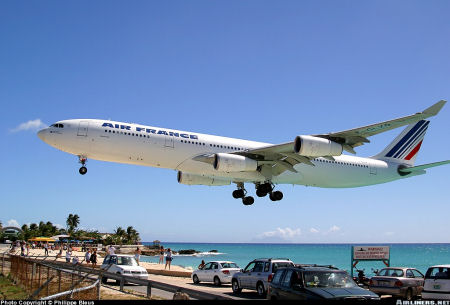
{"x": 37, "y": 272}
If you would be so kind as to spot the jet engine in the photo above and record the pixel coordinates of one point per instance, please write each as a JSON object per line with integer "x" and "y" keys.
{"x": 191, "y": 179}
{"x": 224, "y": 162}
{"x": 310, "y": 146}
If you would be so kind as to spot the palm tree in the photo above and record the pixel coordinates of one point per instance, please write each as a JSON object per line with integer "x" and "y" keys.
{"x": 132, "y": 236}
{"x": 119, "y": 235}
{"x": 72, "y": 222}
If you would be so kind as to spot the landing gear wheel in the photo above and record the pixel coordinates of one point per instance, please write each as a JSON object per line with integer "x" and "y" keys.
{"x": 260, "y": 289}
{"x": 249, "y": 200}
{"x": 83, "y": 170}
{"x": 277, "y": 195}
{"x": 238, "y": 194}
{"x": 266, "y": 188}
{"x": 260, "y": 193}
{"x": 195, "y": 279}
{"x": 235, "y": 287}
{"x": 217, "y": 281}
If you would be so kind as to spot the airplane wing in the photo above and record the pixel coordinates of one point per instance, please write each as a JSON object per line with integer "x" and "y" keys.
{"x": 281, "y": 157}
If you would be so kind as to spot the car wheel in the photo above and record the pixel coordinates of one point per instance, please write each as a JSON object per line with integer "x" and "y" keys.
{"x": 260, "y": 289}
{"x": 235, "y": 286}
{"x": 217, "y": 281}
{"x": 195, "y": 279}
{"x": 409, "y": 294}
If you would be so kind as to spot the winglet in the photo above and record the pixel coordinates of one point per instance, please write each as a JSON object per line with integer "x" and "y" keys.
{"x": 433, "y": 110}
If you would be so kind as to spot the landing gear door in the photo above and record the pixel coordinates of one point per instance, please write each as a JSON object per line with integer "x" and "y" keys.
{"x": 83, "y": 129}
{"x": 168, "y": 141}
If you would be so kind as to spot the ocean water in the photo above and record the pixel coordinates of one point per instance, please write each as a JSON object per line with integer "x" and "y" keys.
{"x": 419, "y": 256}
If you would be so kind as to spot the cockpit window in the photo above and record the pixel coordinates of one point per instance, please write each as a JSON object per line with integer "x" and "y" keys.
{"x": 57, "y": 125}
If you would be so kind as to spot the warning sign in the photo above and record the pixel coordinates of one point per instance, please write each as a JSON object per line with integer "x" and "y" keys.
{"x": 370, "y": 253}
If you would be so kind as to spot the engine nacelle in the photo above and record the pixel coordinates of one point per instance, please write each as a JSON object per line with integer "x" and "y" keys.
{"x": 191, "y": 179}
{"x": 310, "y": 146}
{"x": 233, "y": 163}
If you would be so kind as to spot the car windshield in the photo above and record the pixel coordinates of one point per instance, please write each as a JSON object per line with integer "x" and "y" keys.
{"x": 391, "y": 272}
{"x": 438, "y": 273}
{"x": 329, "y": 279}
{"x": 126, "y": 260}
{"x": 229, "y": 265}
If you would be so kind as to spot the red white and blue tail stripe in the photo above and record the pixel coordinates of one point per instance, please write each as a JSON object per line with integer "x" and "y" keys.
{"x": 406, "y": 146}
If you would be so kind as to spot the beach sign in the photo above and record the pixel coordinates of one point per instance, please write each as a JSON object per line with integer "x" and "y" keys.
{"x": 361, "y": 253}
{"x": 370, "y": 253}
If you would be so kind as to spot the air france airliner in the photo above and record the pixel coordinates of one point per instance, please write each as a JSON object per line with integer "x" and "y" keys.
{"x": 200, "y": 159}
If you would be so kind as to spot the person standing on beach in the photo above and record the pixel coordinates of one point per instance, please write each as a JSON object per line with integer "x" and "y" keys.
{"x": 137, "y": 255}
{"x": 46, "y": 249}
{"x": 161, "y": 255}
{"x": 94, "y": 259}
{"x": 87, "y": 256}
{"x": 68, "y": 255}
{"x": 111, "y": 250}
{"x": 168, "y": 258}
{"x": 28, "y": 249}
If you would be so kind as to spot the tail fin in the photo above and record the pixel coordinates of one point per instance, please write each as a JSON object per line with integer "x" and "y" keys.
{"x": 405, "y": 147}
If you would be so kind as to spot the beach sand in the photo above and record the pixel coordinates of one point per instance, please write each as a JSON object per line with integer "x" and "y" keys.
{"x": 152, "y": 268}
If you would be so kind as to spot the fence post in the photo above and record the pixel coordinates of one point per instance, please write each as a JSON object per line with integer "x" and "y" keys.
{"x": 48, "y": 276}
{"x": 59, "y": 281}
{"x": 3, "y": 262}
{"x": 99, "y": 286}
{"x": 149, "y": 290}
{"x": 33, "y": 271}
{"x": 39, "y": 277}
{"x": 122, "y": 282}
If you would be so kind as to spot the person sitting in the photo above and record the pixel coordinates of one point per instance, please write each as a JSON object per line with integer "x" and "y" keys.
{"x": 202, "y": 265}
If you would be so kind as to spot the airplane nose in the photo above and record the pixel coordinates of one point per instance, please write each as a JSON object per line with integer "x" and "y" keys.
{"x": 41, "y": 134}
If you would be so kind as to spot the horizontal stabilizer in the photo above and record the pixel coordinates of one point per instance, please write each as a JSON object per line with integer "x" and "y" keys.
{"x": 408, "y": 170}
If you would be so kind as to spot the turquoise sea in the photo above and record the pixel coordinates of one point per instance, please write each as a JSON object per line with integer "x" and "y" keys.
{"x": 419, "y": 256}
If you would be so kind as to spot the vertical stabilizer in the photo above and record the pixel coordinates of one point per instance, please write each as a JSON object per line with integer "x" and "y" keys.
{"x": 405, "y": 147}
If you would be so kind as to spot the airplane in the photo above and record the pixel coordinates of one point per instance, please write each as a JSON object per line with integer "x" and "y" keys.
{"x": 201, "y": 159}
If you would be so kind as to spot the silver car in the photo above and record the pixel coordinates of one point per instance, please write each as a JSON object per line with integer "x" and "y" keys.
{"x": 258, "y": 274}
{"x": 398, "y": 281}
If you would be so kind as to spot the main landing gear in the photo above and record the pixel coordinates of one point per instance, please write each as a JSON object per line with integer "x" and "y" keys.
{"x": 83, "y": 169}
{"x": 267, "y": 188}
{"x": 241, "y": 192}
{"x": 261, "y": 191}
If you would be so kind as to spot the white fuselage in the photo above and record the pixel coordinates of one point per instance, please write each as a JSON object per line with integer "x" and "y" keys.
{"x": 166, "y": 148}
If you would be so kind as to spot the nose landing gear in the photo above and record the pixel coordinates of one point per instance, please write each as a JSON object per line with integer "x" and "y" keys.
{"x": 83, "y": 169}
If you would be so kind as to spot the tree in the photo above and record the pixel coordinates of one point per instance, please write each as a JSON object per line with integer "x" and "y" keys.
{"x": 72, "y": 222}
{"x": 132, "y": 236}
{"x": 119, "y": 235}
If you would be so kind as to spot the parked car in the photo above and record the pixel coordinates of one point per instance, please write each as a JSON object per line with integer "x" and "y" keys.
{"x": 437, "y": 283}
{"x": 124, "y": 265}
{"x": 314, "y": 282}
{"x": 257, "y": 274}
{"x": 217, "y": 272}
{"x": 401, "y": 282}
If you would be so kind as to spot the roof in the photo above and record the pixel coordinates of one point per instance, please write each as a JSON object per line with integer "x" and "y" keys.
{"x": 440, "y": 266}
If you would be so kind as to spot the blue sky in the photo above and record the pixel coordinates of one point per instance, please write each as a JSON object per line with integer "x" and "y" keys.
{"x": 258, "y": 70}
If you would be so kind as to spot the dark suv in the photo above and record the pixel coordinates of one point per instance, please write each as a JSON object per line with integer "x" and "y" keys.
{"x": 314, "y": 282}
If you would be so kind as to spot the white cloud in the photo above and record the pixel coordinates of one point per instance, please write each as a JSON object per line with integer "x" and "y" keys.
{"x": 313, "y": 230}
{"x": 58, "y": 226}
{"x": 33, "y": 125}
{"x": 334, "y": 229}
{"x": 286, "y": 233}
{"x": 12, "y": 223}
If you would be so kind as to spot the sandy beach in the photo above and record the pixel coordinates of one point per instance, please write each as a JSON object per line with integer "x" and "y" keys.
{"x": 152, "y": 268}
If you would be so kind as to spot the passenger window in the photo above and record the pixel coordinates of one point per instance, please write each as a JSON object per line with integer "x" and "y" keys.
{"x": 287, "y": 278}
{"x": 409, "y": 273}
{"x": 249, "y": 267}
{"x": 417, "y": 274}
{"x": 266, "y": 267}
{"x": 277, "y": 277}
{"x": 259, "y": 267}
{"x": 208, "y": 266}
{"x": 106, "y": 260}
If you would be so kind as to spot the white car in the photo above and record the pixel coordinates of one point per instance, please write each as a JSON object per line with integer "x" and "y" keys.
{"x": 124, "y": 265}
{"x": 217, "y": 272}
{"x": 437, "y": 283}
